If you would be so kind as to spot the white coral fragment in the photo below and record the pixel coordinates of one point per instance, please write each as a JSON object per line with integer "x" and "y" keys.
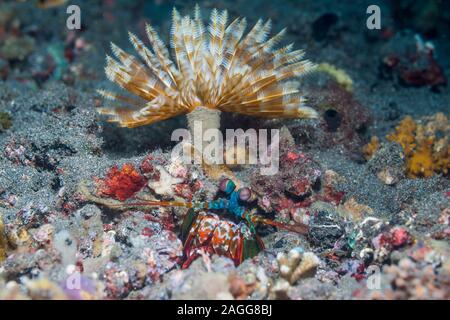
{"x": 165, "y": 184}
{"x": 296, "y": 265}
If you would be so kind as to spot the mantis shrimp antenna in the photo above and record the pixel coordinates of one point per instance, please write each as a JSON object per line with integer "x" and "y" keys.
{"x": 297, "y": 228}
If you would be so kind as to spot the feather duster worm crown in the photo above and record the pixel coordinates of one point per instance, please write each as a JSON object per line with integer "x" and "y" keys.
{"x": 215, "y": 67}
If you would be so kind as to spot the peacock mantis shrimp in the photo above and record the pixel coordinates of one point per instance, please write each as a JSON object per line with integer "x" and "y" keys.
{"x": 225, "y": 226}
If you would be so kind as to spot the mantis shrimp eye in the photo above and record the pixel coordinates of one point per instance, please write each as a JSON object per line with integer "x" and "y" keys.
{"x": 227, "y": 186}
{"x": 245, "y": 194}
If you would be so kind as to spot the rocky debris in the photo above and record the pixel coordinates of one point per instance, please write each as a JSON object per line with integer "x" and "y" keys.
{"x": 344, "y": 121}
{"x": 421, "y": 274}
{"x": 388, "y": 163}
{"x": 326, "y": 229}
{"x": 15, "y": 48}
{"x": 415, "y": 68}
{"x": 299, "y": 177}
